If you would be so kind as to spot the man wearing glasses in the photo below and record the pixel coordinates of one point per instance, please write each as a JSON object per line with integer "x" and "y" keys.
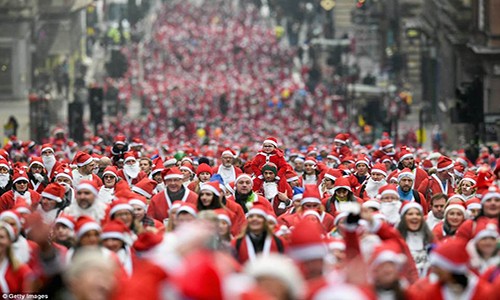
{"x": 19, "y": 190}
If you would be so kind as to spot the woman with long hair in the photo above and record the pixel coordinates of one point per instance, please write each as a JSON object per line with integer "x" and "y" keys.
{"x": 454, "y": 216}
{"x": 466, "y": 188}
{"x": 14, "y": 276}
{"x": 257, "y": 237}
{"x": 417, "y": 234}
{"x": 483, "y": 249}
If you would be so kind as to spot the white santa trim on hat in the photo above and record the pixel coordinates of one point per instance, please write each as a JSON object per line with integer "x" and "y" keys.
{"x": 308, "y": 252}
{"x": 141, "y": 191}
{"x": 442, "y": 262}
{"x": 187, "y": 209}
{"x": 402, "y": 175}
{"x": 209, "y": 187}
{"x": 86, "y": 228}
{"x": 228, "y": 152}
{"x": 270, "y": 142}
{"x": 87, "y": 186}
{"x": 66, "y": 222}
{"x": 138, "y": 203}
{"x": 113, "y": 235}
{"x": 51, "y": 197}
{"x": 389, "y": 256}
{"x": 256, "y": 211}
{"x": 242, "y": 176}
{"x": 224, "y": 218}
{"x": 121, "y": 206}
{"x": 88, "y": 161}
{"x": 309, "y": 200}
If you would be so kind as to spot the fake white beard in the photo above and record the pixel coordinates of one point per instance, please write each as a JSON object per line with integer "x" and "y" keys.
{"x": 132, "y": 171}
{"x": 49, "y": 161}
{"x": 372, "y": 187}
{"x": 270, "y": 190}
{"x": 160, "y": 187}
{"x": 391, "y": 211}
{"x": 4, "y": 180}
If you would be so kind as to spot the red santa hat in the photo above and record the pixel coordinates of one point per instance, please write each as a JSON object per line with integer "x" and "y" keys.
{"x": 243, "y": 176}
{"x": 128, "y": 157}
{"x": 388, "y": 251}
{"x": 379, "y": 168}
{"x": 120, "y": 139}
{"x": 451, "y": 255}
{"x": 46, "y": 147}
{"x": 213, "y": 187}
{"x": 173, "y": 173}
{"x": 444, "y": 163}
{"x": 88, "y": 185}
{"x": 82, "y": 159}
{"x": 335, "y": 243}
{"x": 470, "y": 177}
{"x": 333, "y": 174}
{"x": 271, "y": 140}
{"x": 14, "y": 215}
{"x": 427, "y": 165}
{"x": 138, "y": 200}
{"x": 136, "y": 142}
{"x": 64, "y": 171}
{"x": 120, "y": 204}
{"x": 291, "y": 176}
{"x": 306, "y": 242}
{"x": 334, "y": 156}
{"x": 257, "y": 209}
{"x": 342, "y": 183}
{"x": 387, "y": 189}
{"x": 473, "y": 203}
{"x": 22, "y": 207}
{"x": 10, "y": 231}
{"x": 85, "y": 224}
{"x": 405, "y": 173}
{"x": 489, "y": 231}
{"x": 115, "y": 229}
{"x": 311, "y": 194}
{"x": 405, "y": 153}
{"x": 187, "y": 166}
{"x": 169, "y": 161}
{"x": 204, "y": 168}
{"x": 409, "y": 205}
{"x": 4, "y": 154}
{"x": 458, "y": 169}
{"x": 228, "y": 152}
{"x": 145, "y": 187}
{"x": 341, "y": 138}
{"x": 386, "y": 144}
{"x": 157, "y": 166}
{"x": 35, "y": 160}
{"x": 223, "y": 215}
{"x": 66, "y": 220}
{"x": 456, "y": 198}
{"x": 455, "y": 205}
{"x": 4, "y": 163}
{"x": 372, "y": 203}
{"x": 110, "y": 170}
{"x": 311, "y": 161}
{"x": 311, "y": 212}
{"x": 189, "y": 208}
{"x": 19, "y": 175}
{"x": 493, "y": 192}
{"x": 363, "y": 159}
{"x": 54, "y": 191}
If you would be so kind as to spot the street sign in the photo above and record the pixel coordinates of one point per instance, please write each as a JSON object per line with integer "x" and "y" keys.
{"x": 327, "y": 4}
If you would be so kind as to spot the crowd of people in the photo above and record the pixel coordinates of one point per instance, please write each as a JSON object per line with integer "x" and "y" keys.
{"x": 127, "y": 221}
{"x": 221, "y": 68}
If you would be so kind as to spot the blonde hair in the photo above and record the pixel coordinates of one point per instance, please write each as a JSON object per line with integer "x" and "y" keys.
{"x": 13, "y": 261}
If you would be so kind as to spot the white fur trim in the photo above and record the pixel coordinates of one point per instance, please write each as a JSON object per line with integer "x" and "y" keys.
{"x": 110, "y": 173}
{"x": 113, "y": 235}
{"x": 389, "y": 192}
{"x": 227, "y": 152}
{"x": 310, "y": 161}
{"x": 454, "y": 206}
{"x": 186, "y": 169}
{"x": 34, "y": 163}
{"x": 311, "y": 212}
{"x": 489, "y": 196}
{"x": 138, "y": 203}
{"x": 388, "y": 256}
{"x": 244, "y": 175}
{"x": 256, "y": 211}
{"x": 66, "y": 222}
{"x": 209, "y": 187}
{"x": 10, "y": 230}
{"x": 470, "y": 180}
{"x": 293, "y": 178}
{"x": 297, "y": 197}
{"x": 446, "y": 167}
{"x": 405, "y": 174}
{"x": 378, "y": 171}
{"x": 298, "y": 159}
{"x": 187, "y": 209}
{"x": 173, "y": 176}
{"x": 169, "y": 162}
{"x": 51, "y": 197}
{"x": 19, "y": 179}
{"x": 47, "y": 148}
{"x": 474, "y": 206}
{"x": 339, "y": 141}
{"x": 141, "y": 191}
{"x": 342, "y": 187}
{"x": 129, "y": 158}
{"x": 86, "y": 228}
{"x": 486, "y": 233}
{"x": 406, "y": 156}
{"x": 64, "y": 175}
{"x": 5, "y": 166}
{"x": 310, "y": 200}
{"x": 88, "y": 161}
{"x": 337, "y": 245}
{"x": 331, "y": 177}
{"x": 410, "y": 205}
{"x": 372, "y": 204}
{"x": 270, "y": 142}
{"x": 9, "y": 214}
{"x": 122, "y": 206}
{"x": 87, "y": 186}
{"x": 436, "y": 259}
{"x": 225, "y": 218}
{"x": 308, "y": 252}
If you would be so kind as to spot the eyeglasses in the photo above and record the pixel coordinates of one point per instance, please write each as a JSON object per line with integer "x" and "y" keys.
{"x": 22, "y": 182}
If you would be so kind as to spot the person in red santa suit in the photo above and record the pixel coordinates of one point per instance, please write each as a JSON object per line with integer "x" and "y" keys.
{"x": 25, "y": 251}
{"x": 162, "y": 202}
{"x": 244, "y": 195}
{"x": 311, "y": 201}
{"x": 312, "y": 172}
{"x": 362, "y": 166}
{"x": 86, "y": 203}
{"x": 386, "y": 148}
{"x": 275, "y": 189}
{"x": 328, "y": 182}
{"x": 483, "y": 250}
{"x": 454, "y": 216}
{"x": 489, "y": 213}
{"x": 85, "y": 167}
{"x": 131, "y": 171}
{"x": 115, "y": 237}
{"x": 270, "y": 153}
{"x": 369, "y": 189}
{"x": 5, "y": 183}
{"x": 107, "y": 190}
{"x": 19, "y": 189}
{"x": 63, "y": 176}
{"x": 441, "y": 182}
{"x": 257, "y": 238}
{"x": 203, "y": 174}
{"x": 49, "y": 160}
{"x": 449, "y": 262}
{"x": 406, "y": 159}
{"x": 340, "y": 145}
{"x": 37, "y": 175}
{"x": 15, "y": 277}
{"x": 342, "y": 197}
{"x": 52, "y": 202}
{"x": 226, "y": 169}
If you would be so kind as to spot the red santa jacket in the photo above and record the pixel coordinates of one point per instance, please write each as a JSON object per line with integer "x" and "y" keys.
{"x": 420, "y": 176}
{"x": 275, "y": 157}
{"x": 52, "y": 172}
{"x": 245, "y": 251}
{"x": 432, "y": 186}
{"x": 283, "y": 187}
{"x": 160, "y": 204}
{"x": 18, "y": 281}
{"x": 7, "y": 200}
{"x": 325, "y": 218}
{"x": 134, "y": 181}
{"x": 236, "y": 215}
